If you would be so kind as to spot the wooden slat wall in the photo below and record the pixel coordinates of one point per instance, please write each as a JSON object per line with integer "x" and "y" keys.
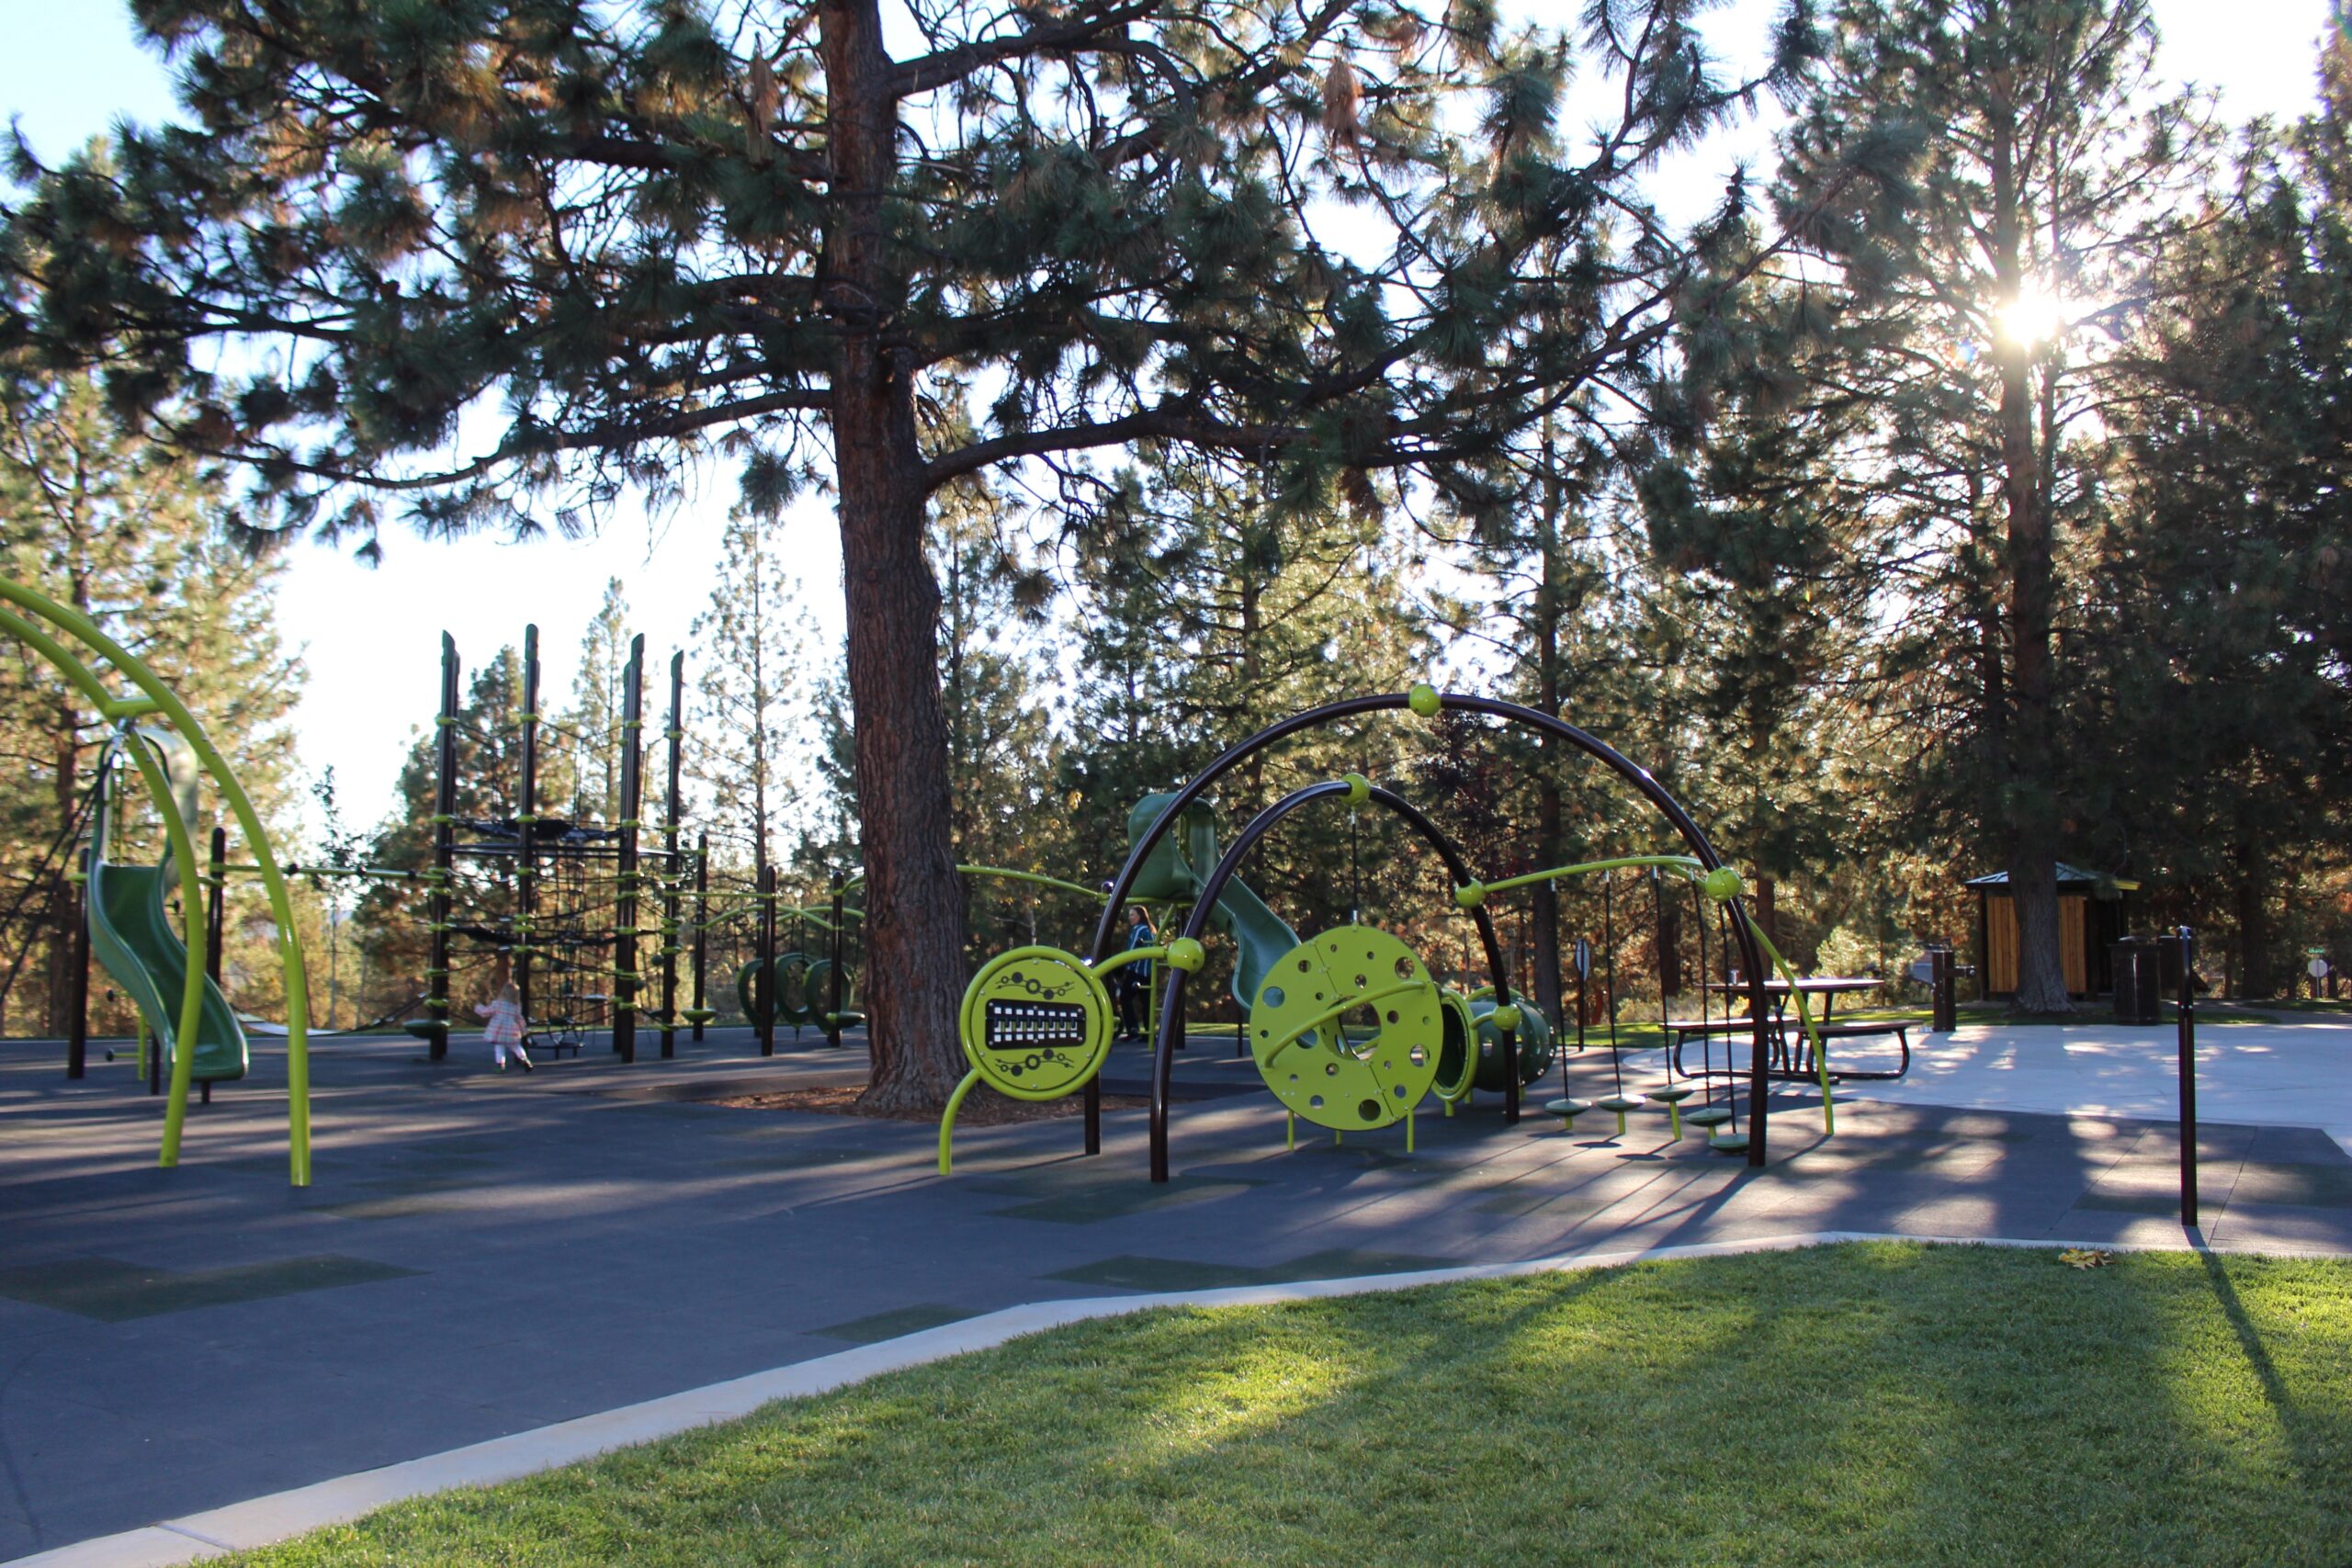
{"x": 2001, "y": 939}
{"x": 2072, "y": 959}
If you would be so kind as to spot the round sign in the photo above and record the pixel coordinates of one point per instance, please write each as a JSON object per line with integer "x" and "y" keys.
{"x": 1035, "y": 1023}
{"x": 2317, "y": 968}
{"x": 1346, "y": 1029}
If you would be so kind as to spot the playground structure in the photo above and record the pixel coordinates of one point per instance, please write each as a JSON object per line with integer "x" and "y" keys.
{"x": 1348, "y": 1029}
{"x": 569, "y": 914}
{"x": 171, "y": 978}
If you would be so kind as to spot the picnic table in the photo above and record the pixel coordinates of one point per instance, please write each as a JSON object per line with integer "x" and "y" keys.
{"x": 1791, "y": 1051}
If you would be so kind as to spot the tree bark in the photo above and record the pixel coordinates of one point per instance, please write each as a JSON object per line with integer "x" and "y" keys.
{"x": 1551, "y": 836}
{"x": 2257, "y": 976}
{"x": 914, "y": 900}
{"x": 2030, "y": 800}
{"x": 62, "y": 911}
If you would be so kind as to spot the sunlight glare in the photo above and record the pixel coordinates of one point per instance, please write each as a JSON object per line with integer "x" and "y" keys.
{"x": 2035, "y": 317}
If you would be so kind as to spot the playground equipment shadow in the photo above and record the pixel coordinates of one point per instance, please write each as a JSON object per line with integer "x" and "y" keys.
{"x": 485, "y": 1253}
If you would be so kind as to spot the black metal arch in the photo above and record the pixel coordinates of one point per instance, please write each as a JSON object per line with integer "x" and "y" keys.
{"x": 1171, "y": 1007}
{"x": 1751, "y": 956}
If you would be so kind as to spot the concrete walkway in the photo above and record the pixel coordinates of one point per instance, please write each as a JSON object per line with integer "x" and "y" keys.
{"x": 2296, "y": 1071}
{"x": 483, "y": 1255}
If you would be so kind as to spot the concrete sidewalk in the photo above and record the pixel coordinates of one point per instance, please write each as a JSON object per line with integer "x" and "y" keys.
{"x": 2296, "y": 1071}
{"x": 484, "y": 1255}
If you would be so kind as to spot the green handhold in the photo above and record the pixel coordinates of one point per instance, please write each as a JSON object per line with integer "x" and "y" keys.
{"x": 1722, "y": 885}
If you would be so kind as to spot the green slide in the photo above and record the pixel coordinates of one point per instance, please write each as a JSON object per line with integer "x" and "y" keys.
{"x": 1181, "y": 863}
{"x": 131, "y": 934}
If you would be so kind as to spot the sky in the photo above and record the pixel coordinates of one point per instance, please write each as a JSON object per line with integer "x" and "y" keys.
{"x": 369, "y": 638}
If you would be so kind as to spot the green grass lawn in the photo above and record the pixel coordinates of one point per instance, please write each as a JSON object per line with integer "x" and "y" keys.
{"x": 1881, "y": 1403}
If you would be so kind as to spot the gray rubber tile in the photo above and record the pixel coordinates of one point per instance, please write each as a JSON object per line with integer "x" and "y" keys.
{"x": 114, "y": 1292}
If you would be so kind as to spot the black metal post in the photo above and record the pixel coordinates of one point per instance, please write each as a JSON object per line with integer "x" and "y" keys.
{"x": 833, "y": 977}
{"x": 764, "y": 978}
{"x": 674, "y": 807}
{"x": 1942, "y": 968}
{"x": 438, "y": 905}
{"x": 625, "y": 944}
{"x": 2188, "y": 1079}
{"x": 526, "y": 817}
{"x": 215, "y": 886}
{"x": 701, "y": 926}
{"x": 77, "y": 1026}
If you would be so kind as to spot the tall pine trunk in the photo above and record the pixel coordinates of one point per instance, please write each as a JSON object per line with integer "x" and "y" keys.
{"x": 1551, "y": 837}
{"x": 914, "y": 901}
{"x": 2029, "y": 803}
{"x": 2257, "y": 974}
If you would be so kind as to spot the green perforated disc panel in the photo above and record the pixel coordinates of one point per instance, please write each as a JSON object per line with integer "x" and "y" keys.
{"x": 1346, "y": 1028}
{"x": 1035, "y": 1023}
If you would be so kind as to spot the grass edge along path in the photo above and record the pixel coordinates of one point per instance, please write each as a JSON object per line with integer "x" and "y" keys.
{"x": 1864, "y": 1402}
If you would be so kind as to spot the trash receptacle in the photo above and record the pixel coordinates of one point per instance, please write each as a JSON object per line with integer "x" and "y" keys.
{"x": 2138, "y": 976}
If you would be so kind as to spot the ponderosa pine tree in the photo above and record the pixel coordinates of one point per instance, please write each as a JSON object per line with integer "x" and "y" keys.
{"x": 127, "y": 532}
{"x": 2221, "y": 596}
{"x": 591, "y": 731}
{"x": 747, "y": 743}
{"x": 588, "y": 245}
{"x": 1961, "y": 308}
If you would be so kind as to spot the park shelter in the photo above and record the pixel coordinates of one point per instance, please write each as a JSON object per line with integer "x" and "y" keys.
{"x": 2090, "y": 919}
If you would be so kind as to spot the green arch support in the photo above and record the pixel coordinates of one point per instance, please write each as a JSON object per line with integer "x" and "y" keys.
{"x": 22, "y": 620}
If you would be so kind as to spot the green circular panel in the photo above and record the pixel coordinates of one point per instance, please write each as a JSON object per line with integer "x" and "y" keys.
{"x": 1536, "y": 1048}
{"x": 1453, "y": 1054}
{"x": 1347, "y": 1028}
{"x": 1035, "y": 1023}
{"x": 792, "y": 990}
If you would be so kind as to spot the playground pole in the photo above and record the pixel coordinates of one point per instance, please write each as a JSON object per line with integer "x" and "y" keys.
{"x": 215, "y": 887}
{"x": 764, "y": 978}
{"x": 525, "y": 819}
{"x": 445, "y": 809}
{"x": 676, "y": 734}
{"x": 833, "y": 977}
{"x": 625, "y": 947}
{"x": 702, "y": 925}
{"x": 2187, "y": 1010}
{"x": 77, "y": 1038}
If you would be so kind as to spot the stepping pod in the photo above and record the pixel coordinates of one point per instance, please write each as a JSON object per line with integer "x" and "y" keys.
{"x": 1620, "y": 1104}
{"x": 1709, "y": 1117}
{"x": 1567, "y": 1110}
{"x": 1672, "y": 1097}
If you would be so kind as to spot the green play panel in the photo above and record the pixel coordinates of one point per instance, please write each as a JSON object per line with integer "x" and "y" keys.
{"x": 891, "y": 1325}
{"x": 1133, "y": 1273}
{"x": 111, "y": 1291}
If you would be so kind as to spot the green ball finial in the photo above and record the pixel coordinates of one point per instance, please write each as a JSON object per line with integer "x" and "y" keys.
{"x": 1722, "y": 885}
{"x": 1359, "y": 788}
{"x": 1186, "y": 954}
{"x": 1506, "y": 1018}
{"x": 1470, "y": 894}
{"x": 1422, "y": 699}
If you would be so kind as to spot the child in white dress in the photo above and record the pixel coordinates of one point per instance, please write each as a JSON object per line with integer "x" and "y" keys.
{"x": 504, "y": 1030}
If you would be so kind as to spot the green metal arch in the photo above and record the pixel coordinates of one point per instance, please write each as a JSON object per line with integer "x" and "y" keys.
{"x": 156, "y": 698}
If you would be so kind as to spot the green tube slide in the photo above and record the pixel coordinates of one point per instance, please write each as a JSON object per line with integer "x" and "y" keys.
{"x": 1180, "y": 864}
{"x": 132, "y": 938}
